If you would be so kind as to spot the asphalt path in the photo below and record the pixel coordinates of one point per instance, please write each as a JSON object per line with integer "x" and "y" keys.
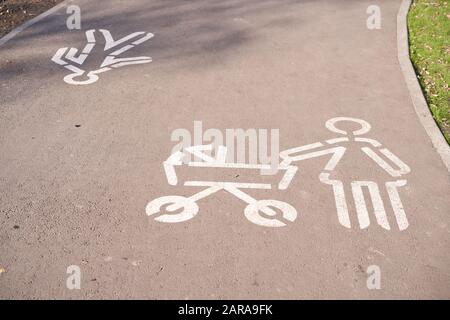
{"x": 82, "y": 153}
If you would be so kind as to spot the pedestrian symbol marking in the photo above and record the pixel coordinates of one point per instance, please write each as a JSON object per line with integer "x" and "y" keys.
{"x": 337, "y": 147}
{"x": 68, "y": 58}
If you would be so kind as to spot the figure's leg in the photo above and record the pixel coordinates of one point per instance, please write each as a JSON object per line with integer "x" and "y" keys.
{"x": 396, "y": 203}
{"x": 361, "y": 207}
{"x": 339, "y": 196}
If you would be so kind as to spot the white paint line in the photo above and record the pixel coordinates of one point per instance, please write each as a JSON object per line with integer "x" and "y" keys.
{"x": 337, "y": 140}
{"x": 287, "y": 178}
{"x": 286, "y": 155}
{"x": 360, "y": 203}
{"x": 171, "y": 174}
{"x": 331, "y": 125}
{"x": 396, "y": 203}
{"x": 122, "y": 64}
{"x": 29, "y": 23}
{"x": 148, "y": 36}
{"x": 58, "y": 55}
{"x": 173, "y": 160}
{"x": 377, "y": 203}
{"x": 90, "y": 36}
{"x": 122, "y": 50}
{"x": 242, "y": 195}
{"x": 205, "y": 193}
{"x": 77, "y": 71}
{"x": 229, "y": 165}
{"x": 228, "y": 184}
{"x": 373, "y": 142}
{"x": 88, "y": 48}
{"x": 339, "y": 196}
{"x": 403, "y": 168}
{"x": 337, "y": 152}
{"x": 109, "y": 41}
{"x": 197, "y": 151}
{"x": 418, "y": 100}
{"x": 71, "y": 56}
{"x": 115, "y": 62}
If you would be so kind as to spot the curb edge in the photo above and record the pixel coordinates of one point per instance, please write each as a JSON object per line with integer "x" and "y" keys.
{"x": 29, "y": 23}
{"x": 415, "y": 91}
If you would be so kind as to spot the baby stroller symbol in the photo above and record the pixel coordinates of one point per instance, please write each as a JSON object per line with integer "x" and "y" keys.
{"x": 113, "y": 49}
{"x": 188, "y": 205}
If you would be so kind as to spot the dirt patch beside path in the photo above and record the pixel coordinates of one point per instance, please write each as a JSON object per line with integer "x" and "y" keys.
{"x": 15, "y": 12}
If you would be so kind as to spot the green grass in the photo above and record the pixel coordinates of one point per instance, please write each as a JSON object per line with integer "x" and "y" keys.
{"x": 429, "y": 36}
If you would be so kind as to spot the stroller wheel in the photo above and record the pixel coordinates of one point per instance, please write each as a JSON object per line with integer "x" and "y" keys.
{"x": 253, "y": 213}
{"x": 172, "y": 203}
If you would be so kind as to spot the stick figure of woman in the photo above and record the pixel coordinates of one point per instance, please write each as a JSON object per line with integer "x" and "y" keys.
{"x": 383, "y": 157}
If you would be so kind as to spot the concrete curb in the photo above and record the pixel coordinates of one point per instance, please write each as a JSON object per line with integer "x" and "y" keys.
{"x": 28, "y": 23}
{"x": 415, "y": 91}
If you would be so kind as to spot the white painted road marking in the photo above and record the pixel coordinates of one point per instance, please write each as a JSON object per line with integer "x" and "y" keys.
{"x": 110, "y": 61}
{"x": 331, "y": 147}
{"x": 374, "y": 152}
{"x": 254, "y": 208}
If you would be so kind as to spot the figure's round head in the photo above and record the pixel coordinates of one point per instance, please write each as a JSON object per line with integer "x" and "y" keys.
{"x": 331, "y": 125}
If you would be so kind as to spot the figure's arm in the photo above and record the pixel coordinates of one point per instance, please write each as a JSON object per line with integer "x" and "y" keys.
{"x": 313, "y": 150}
{"x": 376, "y": 155}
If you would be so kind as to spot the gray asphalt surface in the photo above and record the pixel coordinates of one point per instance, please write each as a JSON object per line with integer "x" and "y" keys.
{"x": 78, "y": 164}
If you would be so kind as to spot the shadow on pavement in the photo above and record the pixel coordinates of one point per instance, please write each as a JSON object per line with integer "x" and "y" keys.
{"x": 187, "y": 34}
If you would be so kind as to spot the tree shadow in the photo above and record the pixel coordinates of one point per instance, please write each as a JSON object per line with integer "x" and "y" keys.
{"x": 188, "y": 34}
